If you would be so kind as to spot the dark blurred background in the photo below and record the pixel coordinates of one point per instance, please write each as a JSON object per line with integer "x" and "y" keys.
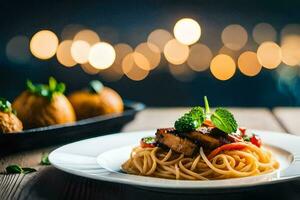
{"x": 131, "y": 22}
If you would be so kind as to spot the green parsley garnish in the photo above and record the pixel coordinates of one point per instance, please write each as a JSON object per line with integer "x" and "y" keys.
{"x": 45, "y": 159}
{"x": 190, "y": 121}
{"x": 95, "y": 86}
{"x": 44, "y": 90}
{"x": 149, "y": 140}
{"x": 16, "y": 169}
{"x": 5, "y": 106}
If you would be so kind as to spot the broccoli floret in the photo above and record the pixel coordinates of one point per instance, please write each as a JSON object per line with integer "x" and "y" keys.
{"x": 191, "y": 120}
{"x": 224, "y": 120}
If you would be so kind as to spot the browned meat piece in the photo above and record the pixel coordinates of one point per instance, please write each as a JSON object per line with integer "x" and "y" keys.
{"x": 208, "y": 137}
{"x": 170, "y": 139}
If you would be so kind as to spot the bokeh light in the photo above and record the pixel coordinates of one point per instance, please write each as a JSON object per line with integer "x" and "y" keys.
{"x": 87, "y": 35}
{"x": 63, "y": 54}
{"x": 234, "y": 37}
{"x": 222, "y": 67}
{"x": 115, "y": 72}
{"x": 182, "y": 72}
{"x": 17, "y": 50}
{"x": 43, "y": 44}
{"x": 249, "y": 64}
{"x": 150, "y": 52}
{"x": 89, "y": 69}
{"x": 131, "y": 70}
{"x": 290, "y": 48}
{"x": 176, "y": 52}
{"x": 199, "y": 57}
{"x": 160, "y": 37}
{"x": 187, "y": 31}
{"x": 102, "y": 55}
{"x": 80, "y": 50}
{"x": 269, "y": 55}
{"x": 264, "y": 32}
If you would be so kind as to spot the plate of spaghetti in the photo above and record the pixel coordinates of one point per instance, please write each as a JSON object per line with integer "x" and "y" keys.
{"x": 204, "y": 150}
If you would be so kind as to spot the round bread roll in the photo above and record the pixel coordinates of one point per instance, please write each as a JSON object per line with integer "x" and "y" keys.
{"x": 9, "y": 123}
{"x": 90, "y": 104}
{"x": 37, "y": 111}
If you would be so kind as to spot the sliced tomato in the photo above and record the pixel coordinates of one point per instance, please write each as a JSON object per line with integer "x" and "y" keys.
{"x": 148, "y": 142}
{"x": 256, "y": 140}
{"x": 232, "y": 146}
{"x": 243, "y": 131}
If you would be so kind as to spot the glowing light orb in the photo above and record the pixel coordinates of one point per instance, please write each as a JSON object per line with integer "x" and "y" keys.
{"x": 222, "y": 67}
{"x": 102, "y": 55}
{"x": 43, "y": 44}
{"x": 160, "y": 37}
{"x": 269, "y": 55}
{"x": 80, "y": 51}
{"x": 200, "y": 57}
{"x": 234, "y": 37}
{"x": 87, "y": 35}
{"x": 131, "y": 70}
{"x": 176, "y": 52}
{"x": 148, "y": 57}
{"x": 249, "y": 64}
{"x": 187, "y": 31}
{"x": 63, "y": 54}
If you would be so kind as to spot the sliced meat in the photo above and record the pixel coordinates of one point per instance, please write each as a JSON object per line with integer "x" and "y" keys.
{"x": 169, "y": 138}
{"x": 208, "y": 137}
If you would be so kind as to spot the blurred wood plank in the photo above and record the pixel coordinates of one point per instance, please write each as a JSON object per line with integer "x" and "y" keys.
{"x": 50, "y": 183}
{"x": 289, "y": 118}
{"x": 254, "y": 118}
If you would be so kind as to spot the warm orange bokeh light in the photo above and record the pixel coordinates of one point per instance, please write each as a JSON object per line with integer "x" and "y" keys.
{"x": 249, "y": 64}
{"x": 80, "y": 51}
{"x": 222, "y": 67}
{"x": 187, "y": 31}
{"x": 87, "y": 35}
{"x": 43, "y": 44}
{"x": 131, "y": 70}
{"x": 269, "y": 55}
{"x": 63, "y": 54}
{"x": 102, "y": 55}
{"x": 159, "y": 37}
{"x": 234, "y": 37}
{"x": 175, "y": 52}
{"x": 290, "y": 48}
{"x": 148, "y": 56}
{"x": 200, "y": 57}
{"x": 264, "y": 32}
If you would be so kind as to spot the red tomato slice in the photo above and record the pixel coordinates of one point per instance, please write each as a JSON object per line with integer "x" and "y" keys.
{"x": 232, "y": 146}
{"x": 256, "y": 140}
{"x": 146, "y": 143}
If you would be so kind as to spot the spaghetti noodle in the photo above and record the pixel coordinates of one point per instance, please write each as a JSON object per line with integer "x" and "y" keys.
{"x": 157, "y": 162}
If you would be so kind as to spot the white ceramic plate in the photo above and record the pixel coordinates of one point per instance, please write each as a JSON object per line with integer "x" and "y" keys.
{"x": 101, "y": 157}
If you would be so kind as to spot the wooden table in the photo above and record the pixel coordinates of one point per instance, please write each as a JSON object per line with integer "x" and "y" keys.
{"x": 50, "y": 183}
